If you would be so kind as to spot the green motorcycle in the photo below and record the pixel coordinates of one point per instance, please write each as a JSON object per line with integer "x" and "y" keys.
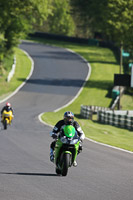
{"x": 66, "y": 149}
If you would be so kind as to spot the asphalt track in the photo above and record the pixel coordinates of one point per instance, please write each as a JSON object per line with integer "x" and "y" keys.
{"x": 25, "y": 170}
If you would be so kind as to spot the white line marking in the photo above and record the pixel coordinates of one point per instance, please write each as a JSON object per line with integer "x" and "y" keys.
{"x": 39, "y": 117}
{"x": 88, "y": 75}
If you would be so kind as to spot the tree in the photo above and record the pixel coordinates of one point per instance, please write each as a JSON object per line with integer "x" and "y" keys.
{"x": 61, "y": 22}
{"x": 17, "y": 18}
{"x": 113, "y": 18}
{"x": 119, "y": 22}
{"x": 91, "y": 13}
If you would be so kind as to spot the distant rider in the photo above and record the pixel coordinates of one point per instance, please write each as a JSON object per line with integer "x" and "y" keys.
{"x": 7, "y": 107}
{"x": 68, "y": 120}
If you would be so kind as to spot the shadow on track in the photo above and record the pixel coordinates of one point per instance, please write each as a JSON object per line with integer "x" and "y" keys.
{"x": 57, "y": 82}
{"x": 27, "y": 174}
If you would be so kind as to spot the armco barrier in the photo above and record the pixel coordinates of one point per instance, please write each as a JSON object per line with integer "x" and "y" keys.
{"x": 88, "y": 111}
{"x": 11, "y": 73}
{"x": 119, "y": 118}
{"x": 122, "y": 119}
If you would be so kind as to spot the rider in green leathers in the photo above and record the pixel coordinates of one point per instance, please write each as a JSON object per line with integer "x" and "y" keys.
{"x": 68, "y": 120}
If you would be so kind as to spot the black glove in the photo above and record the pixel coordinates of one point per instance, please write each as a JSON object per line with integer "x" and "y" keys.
{"x": 80, "y": 148}
{"x": 54, "y": 136}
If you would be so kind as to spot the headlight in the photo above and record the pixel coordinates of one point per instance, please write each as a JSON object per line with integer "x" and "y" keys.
{"x": 74, "y": 141}
{"x": 64, "y": 140}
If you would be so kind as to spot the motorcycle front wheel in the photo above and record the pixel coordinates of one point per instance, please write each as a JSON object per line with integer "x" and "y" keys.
{"x": 5, "y": 124}
{"x": 58, "y": 171}
{"x": 65, "y": 164}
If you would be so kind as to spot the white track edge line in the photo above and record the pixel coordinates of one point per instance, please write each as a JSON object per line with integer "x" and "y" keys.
{"x": 99, "y": 143}
{"x": 88, "y": 75}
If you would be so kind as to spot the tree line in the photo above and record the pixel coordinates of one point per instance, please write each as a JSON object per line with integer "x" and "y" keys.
{"x": 107, "y": 19}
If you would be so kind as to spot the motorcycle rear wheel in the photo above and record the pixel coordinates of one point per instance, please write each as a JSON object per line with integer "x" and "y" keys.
{"x": 65, "y": 164}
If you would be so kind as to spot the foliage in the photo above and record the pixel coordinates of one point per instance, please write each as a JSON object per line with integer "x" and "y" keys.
{"x": 61, "y": 22}
{"x": 113, "y": 18}
{"x": 119, "y": 20}
{"x": 17, "y": 17}
{"x": 90, "y": 12}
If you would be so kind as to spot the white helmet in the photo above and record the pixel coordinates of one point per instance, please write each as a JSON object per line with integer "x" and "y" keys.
{"x": 8, "y": 104}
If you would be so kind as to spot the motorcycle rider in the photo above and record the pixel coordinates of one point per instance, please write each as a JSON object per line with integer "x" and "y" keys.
{"x": 68, "y": 120}
{"x": 7, "y": 107}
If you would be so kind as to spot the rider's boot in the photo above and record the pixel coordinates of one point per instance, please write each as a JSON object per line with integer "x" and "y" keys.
{"x": 51, "y": 155}
{"x": 75, "y": 163}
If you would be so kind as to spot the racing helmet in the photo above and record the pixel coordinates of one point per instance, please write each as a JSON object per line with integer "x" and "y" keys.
{"x": 8, "y": 104}
{"x": 68, "y": 118}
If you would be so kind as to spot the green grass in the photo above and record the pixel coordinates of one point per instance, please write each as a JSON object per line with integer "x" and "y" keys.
{"x": 97, "y": 91}
{"x": 127, "y": 102}
{"x": 8, "y": 61}
{"x": 23, "y": 67}
{"x": 114, "y": 136}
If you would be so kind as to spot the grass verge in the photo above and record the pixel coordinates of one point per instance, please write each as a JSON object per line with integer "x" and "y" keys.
{"x": 23, "y": 67}
{"x": 97, "y": 91}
